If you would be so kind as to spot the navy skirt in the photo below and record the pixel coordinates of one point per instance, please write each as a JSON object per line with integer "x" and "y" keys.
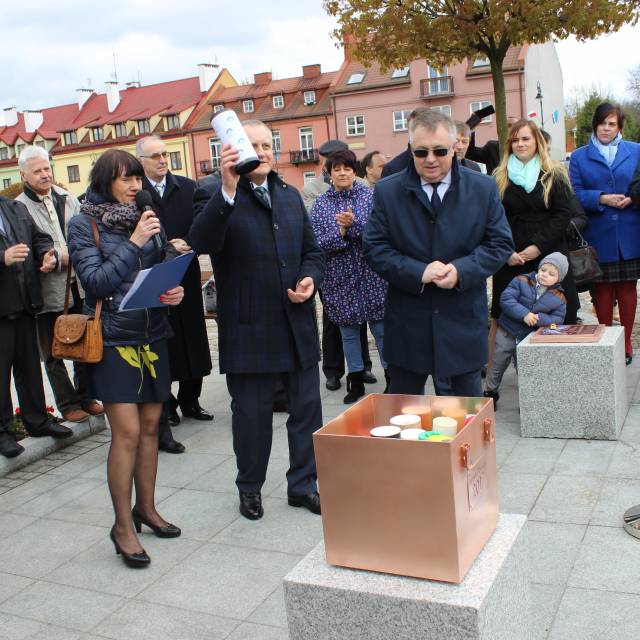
{"x": 131, "y": 373}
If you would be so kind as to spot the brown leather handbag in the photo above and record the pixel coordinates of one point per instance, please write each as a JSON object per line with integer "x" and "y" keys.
{"x": 77, "y": 336}
{"x": 583, "y": 259}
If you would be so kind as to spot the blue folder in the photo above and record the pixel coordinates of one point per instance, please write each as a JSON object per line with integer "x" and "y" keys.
{"x": 151, "y": 283}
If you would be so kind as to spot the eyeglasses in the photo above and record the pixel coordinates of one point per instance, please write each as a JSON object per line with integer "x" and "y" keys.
{"x": 156, "y": 156}
{"x": 439, "y": 152}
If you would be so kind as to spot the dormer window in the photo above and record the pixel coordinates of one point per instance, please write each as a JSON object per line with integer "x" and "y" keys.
{"x": 247, "y": 106}
{"x": 400, "y": 73}
{"x": 143, "y": 127}
{"x": 217, "y": 108}
{"x": 97, "y": 134}
{"x": 356, "y": 78}
{"x": 173, "y": 122}
{"x": 120, "y": 130}
{"x": 310, "y": 97}
{"x": 4, "y": 153}
{"x": 481, "y": 62}
{"x": 70, "y": 137}
{"x": 278, "y": 102}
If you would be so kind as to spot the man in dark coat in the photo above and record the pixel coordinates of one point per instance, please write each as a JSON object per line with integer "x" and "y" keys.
{"x": 463, "y": 137}
{"x": 268, "y": 267}
{"x": 24, "y": 250}
{"x": 436, "y": 233}
{"x": 189, "y": 356}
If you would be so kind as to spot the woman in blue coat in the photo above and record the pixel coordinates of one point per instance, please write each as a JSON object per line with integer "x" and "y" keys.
{"x": 600, "y": 174}
{"x": 353, "y": 294}
{"x": 133, "y": 378}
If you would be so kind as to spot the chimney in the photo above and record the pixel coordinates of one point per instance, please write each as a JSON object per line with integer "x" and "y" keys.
{"x": 83, "y": 96}
{"x": 349, "y": 45}
{"x": 10, "y": 116}
{"x": 133, "y": 84}
{"x": 113, "y": 95}
{"x": 207, "y": 73}
{"x": 263, "y": 78}
{"x": 32, "y": 120}
{"x": 311, "y": 71}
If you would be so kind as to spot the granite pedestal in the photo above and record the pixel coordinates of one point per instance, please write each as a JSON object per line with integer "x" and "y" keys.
{"x": 324, "y": 602}
{"x": 573, "y": 390}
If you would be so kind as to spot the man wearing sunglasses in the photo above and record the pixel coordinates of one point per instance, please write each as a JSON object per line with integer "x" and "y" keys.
{"x": 437, "y": 232}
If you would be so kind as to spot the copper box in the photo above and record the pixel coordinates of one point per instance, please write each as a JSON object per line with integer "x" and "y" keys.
{"x": 411, "y": 508}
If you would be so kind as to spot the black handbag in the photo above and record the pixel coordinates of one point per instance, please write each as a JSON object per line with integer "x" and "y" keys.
{"x": 583, "y": 259}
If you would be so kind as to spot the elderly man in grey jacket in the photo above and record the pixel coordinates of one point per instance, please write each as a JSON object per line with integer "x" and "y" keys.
{"x": 51, "y": 208}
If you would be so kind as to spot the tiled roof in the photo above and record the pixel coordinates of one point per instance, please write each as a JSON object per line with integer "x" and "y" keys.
{"x": 53, "y": 119}
{"x": 513, "y": 60}
{"x": 139, "y": 103}
{"x": 373, "y": 77}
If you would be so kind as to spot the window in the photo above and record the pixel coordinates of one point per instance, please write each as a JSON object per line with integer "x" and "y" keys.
{"x": 40, "y": 143}
{"x": 143, "y": 127}
{"x": 400, "y": 120}
{"x": 355, "y": 125}
{"x": 306, "y": 142}
{"x": 214, "y": 152}
{"x": 445, "y": 108}
{"x": 121, "y": 130}
{"x": 70, "y": 137}
{"x": 217, "y": 108}
{"x": 310, "y": 97}
{"x": 247, "y": 106}
{"x": 481, "y": 62}
{"x": 278, "y": 102}
{"x": 4, "y": 153}
{"x": 481, "y": 104}
{"x": 356, "y": 78}
{"x": 173, "y": 122}
{"x": 309, "y": 176}
{"x": 439, "y": 81}
{"x": 176, "y": 160}
{"x": 19, "y": 148}
{"x": 73, "y": 172}
{"x": 97, "y": 134}
{"x": 400, "y": 73}
{"x": 277, "y": 144}
{"x": 6, "y": 183}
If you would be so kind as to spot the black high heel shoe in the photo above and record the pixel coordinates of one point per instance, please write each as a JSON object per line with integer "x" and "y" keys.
{"x": 170, "y": 531}
{"x": 133, "y": 560}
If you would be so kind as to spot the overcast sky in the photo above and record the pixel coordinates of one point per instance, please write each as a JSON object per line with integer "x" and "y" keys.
{"x": 49, "y": 49}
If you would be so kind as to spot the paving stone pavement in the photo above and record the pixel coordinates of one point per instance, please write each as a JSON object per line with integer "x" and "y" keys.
{"x": 60, "y": 578}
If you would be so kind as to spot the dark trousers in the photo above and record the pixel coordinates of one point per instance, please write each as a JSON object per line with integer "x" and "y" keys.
{"x": 68, "y": 395}
{"x": 19, "y": 351}
{"x": 252, "y": 424}
{"x": 332, "y": 353}
{"x": 410, "y": 383}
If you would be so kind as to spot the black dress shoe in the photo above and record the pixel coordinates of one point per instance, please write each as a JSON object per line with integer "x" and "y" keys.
{"x": 171, "y": 446}
{"x": 138, "y": 560}
{"x": 52, "y": 429}
{"x": 369, "y": 378}
{"x": 251, "y": 506}
{"x": 9, "y": 448}
{"x": 196, "y": 412}
{"x": 628, "y": 360}
{"x": 492, "y": 394}
{"x": 173, "y": 418}
{"x": 170, "y": 531}
{"x": 333, "y": 383}
{"x": 309, "y": 501}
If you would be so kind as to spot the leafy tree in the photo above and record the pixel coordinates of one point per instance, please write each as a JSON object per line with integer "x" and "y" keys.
{"x": 394, "y": 32}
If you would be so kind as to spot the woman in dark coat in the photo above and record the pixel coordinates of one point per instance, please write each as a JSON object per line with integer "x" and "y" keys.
{"x": 601, "y": 174}
{"x": 353, "y": 293}
{"x": 536, "y": 196}
{"x": 133, "y": 378}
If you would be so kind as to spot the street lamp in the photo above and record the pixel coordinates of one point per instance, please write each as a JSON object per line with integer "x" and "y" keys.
{"x": 539, "y": 97}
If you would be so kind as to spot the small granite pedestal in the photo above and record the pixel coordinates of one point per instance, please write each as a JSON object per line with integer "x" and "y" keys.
{"x": 573, "y": 390}
{"x": 324, "y": 602}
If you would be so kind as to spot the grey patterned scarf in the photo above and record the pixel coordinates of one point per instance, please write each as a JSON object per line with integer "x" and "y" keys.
{"x": 114, "y": 215}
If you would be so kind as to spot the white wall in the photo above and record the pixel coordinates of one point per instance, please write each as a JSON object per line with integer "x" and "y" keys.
{"x": 542, "y": 65}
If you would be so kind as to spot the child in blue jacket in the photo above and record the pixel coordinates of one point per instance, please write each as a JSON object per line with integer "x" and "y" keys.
{"x": 530, "y": 301}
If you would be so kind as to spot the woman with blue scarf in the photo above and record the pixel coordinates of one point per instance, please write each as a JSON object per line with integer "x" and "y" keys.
{"x": 601, "y": 173}
{"x": 536, "y": 196}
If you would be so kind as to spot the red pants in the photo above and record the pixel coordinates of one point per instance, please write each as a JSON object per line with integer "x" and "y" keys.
{"x": 626, "y": 294}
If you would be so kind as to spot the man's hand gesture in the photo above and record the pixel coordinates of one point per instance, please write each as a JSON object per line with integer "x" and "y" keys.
{"x": 16, "y": 253}
{"x": 304, "y": 290}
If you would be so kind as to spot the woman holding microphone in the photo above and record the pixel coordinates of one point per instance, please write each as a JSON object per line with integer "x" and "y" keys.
{"x": 133, "y": 378}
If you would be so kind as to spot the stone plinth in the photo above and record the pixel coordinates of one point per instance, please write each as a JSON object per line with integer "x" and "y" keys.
{"x": 324, "y": 602}
{"x": 573, "y": 390}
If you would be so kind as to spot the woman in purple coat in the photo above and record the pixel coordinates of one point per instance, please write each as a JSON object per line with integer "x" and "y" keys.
{"x": 352, "y": 293}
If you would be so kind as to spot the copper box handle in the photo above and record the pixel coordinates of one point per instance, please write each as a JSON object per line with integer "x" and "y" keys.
{"x": 465, "y": 456}
{"x": 489, "y": 434}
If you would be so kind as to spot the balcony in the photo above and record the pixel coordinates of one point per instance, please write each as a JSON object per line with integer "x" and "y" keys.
{"x": 207, "y": 167}
{"x": 304, "y": 156}
{"x": 436, "y": 87}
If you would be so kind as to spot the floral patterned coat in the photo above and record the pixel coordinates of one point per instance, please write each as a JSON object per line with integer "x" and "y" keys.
{"x": 352, "y": 292}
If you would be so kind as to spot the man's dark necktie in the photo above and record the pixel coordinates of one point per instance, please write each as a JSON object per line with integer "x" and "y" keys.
{"x": 436, "y": 203}
{"x": 263, "y": 196}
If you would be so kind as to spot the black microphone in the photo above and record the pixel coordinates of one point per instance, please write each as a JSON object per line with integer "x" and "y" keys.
{"x": 145, "y": 203}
